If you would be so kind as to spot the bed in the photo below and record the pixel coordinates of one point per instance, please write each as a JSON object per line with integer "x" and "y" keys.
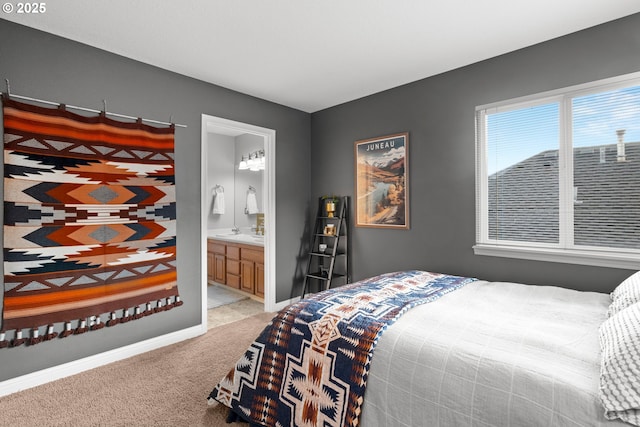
{"x": 451, "y": 351}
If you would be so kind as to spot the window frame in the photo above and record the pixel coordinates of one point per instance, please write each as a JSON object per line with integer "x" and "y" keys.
{"x": 565, "y": 250}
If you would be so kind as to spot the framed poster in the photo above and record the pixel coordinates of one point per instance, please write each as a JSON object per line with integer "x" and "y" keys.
{"x": 382, "y": 196}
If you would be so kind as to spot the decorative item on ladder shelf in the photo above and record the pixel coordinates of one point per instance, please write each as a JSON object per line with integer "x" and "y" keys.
{"x": 330, "y": 205}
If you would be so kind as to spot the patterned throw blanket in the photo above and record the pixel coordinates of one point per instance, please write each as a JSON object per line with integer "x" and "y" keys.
{"x": 309, "y": 366}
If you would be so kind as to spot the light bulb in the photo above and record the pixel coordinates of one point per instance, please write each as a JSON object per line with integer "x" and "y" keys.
{"x": 243, "y": 164}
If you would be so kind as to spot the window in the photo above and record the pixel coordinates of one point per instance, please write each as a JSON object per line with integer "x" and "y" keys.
{"x": 558, "y": 175}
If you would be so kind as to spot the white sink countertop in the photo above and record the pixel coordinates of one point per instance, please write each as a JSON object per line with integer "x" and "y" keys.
{"x": 229, "y": 236}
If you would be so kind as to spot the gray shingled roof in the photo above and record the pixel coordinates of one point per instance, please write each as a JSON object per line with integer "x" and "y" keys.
{"x": 523, "y": 198}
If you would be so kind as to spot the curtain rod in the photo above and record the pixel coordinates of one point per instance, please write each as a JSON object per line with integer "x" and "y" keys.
{"x": 90, "y": 110}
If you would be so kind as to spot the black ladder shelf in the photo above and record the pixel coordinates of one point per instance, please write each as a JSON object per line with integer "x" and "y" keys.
{"x": 332, "y": 230}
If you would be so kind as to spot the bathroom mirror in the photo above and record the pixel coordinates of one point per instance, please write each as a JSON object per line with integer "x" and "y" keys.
{"x": 233, "y": 185}
{"x": 248, "y": 183}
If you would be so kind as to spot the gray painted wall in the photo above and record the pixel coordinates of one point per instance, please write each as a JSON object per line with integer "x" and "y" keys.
{"x": 48, "y": 67}
{"x": 438, "y": 113}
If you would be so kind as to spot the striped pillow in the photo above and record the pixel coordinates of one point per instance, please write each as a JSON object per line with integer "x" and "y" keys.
{"x": 627, "y": 293}
{"x": 620, "y": 365}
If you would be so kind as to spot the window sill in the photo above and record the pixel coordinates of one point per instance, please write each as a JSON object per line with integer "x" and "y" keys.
{"x": 624, "y": 260}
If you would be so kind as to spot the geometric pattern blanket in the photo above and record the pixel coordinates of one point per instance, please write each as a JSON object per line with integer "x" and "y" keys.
{"x": 309, "y": 366}
{"x": 89, "y": 222}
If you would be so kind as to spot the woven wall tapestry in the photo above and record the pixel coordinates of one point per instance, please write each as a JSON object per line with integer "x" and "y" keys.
{"x": 89, "y": 222}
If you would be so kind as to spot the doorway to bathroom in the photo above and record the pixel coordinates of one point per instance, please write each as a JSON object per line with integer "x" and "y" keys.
{"x": 219, "y": 138}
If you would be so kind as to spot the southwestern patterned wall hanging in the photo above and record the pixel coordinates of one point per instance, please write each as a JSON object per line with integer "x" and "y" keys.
{"x": 381, "y": 166}
{"x": 89, "y": 222}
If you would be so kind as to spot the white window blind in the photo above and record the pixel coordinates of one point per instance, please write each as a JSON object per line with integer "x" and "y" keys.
{"x": 558, "y": 175}
{"x": 522, "y": 159}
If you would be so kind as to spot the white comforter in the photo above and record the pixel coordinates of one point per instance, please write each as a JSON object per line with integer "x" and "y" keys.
{"x": 491, "y": 354}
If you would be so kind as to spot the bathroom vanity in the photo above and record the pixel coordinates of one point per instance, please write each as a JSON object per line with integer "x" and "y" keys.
{"x": 237, "y": 261}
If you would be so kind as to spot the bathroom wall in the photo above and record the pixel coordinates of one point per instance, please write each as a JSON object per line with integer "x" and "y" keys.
{"x": 220, "y": 171}
{"x": 245, "y": 144}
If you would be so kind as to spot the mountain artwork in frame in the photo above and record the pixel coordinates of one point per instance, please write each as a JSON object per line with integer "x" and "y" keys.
{"x": 381, "y": 168}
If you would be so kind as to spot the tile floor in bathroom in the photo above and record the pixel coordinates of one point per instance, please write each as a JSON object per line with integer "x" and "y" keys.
{"x": 231, "y": 312}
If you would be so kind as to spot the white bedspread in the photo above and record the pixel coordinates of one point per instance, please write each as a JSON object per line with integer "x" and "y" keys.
{"x": 491, "y": 354}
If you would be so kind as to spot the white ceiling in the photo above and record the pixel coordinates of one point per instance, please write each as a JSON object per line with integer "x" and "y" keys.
{"x": 314, "y": 54}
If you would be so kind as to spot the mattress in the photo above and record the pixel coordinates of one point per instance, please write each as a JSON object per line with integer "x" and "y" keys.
{"x": 491, "y": 354}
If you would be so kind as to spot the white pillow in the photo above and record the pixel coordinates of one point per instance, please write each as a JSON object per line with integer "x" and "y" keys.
{"x": 627, "y": 293}
{"x": 620, "y": 365}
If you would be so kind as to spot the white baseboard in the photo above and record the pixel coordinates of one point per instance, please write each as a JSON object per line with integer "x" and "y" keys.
{"x": 282, "y": 304}
{"x": 44, "y": 376}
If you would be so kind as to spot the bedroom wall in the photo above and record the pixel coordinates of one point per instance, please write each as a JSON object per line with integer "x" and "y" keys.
{"x": 44, "y": 66}
{"x": 438, "y": 113}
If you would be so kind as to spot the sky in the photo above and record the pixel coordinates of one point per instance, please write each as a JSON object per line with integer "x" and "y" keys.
{"x": 516, "y": 135}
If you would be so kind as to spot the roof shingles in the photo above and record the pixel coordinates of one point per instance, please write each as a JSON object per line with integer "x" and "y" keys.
{"x": 524, "y": 202}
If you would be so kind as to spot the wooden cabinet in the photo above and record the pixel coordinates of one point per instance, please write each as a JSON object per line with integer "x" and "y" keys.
{"x": 236, "y": 265}
{"x": 247, "y": 280}
{"x": 220, "y": 268}
{"x": 233, "y": 266}
{"x": 252, "y": 261}
{"x": 210, "y": 266}
{"x": 216, "y": 265}
{"x": 259, "y": 289}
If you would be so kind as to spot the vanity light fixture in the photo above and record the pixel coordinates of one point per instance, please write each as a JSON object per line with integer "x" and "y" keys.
{"x": 253, "y": 161}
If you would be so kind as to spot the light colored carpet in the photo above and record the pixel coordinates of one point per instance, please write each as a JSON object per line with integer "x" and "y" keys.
{"x": 165, "y": 387}
{"x": 218, "y": 295}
